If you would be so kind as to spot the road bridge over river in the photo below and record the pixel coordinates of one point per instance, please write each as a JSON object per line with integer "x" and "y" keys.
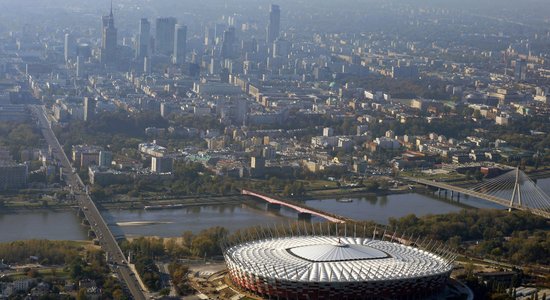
{"x": 87, "y": 206}
{"x": 513, "y": 189}
{"x": 300, "y": 209}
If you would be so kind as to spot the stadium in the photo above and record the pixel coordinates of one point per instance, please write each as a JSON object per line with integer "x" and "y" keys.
{"x": 308, "y": 266}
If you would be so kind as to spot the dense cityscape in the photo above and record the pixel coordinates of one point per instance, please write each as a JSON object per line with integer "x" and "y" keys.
{"x": 244, "y": 149}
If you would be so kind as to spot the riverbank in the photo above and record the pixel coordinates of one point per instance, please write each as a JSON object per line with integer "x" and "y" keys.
{"x": 213, "y": 200}
{"x": 540, "y": 173}
{"x": 353, "y": 192}
{"x": 126, "y": 202}
{"x": 26, "y": 208}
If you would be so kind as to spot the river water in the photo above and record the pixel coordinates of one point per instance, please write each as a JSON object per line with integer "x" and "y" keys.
{"x": 172, "y": 222}
{"x": 52, "y": 225}
{"x": 64, "y": 225}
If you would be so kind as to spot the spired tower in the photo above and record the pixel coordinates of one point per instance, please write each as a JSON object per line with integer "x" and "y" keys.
{"x": 108, "y": 39}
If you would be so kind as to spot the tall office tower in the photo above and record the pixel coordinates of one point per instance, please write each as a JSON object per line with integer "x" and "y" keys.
{"x": 281, "y": 48}
{"x": 108, "y": 38}
{"x": 105, "y": 158}
{"x": 147, "y": 65}
{"x": 520, "y": 70}
{"x": 209, "y": 36}
{"x": 180, "y": 44}
{"x": 79, "y": 70}
{"x": 89, "y": 109}
{"x": 84, "y": 51}
{"x": 219, "y": 29}
{"x": 164, "y": 35}
{"x": 143, "y": 39}
{"x": 228, "y": 43}
{"x": 70, "y": 47}
{"x": 274, "y": 24}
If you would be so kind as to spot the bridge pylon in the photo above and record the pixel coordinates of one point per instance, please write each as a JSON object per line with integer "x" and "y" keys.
{"x": 516, "y": 192}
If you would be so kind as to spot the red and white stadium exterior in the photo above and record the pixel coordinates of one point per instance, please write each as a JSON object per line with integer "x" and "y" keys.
{"x": 329, "y": 267}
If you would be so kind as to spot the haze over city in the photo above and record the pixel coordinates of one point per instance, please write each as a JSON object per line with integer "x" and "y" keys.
{"x": 252, "y": 149}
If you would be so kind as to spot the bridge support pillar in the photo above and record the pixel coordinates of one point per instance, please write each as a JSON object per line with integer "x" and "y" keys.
{"x": 439, "y": 192}
{"x": 452, "y": 194}
{"x": 445, "y": 193}
{"x": 304, "y": 216}
{"x": 458, "y": 197}
{"x": 273, "y": 206}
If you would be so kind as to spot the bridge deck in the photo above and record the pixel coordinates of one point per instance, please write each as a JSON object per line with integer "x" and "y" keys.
{"x": 295, "y": 207}
{"x": 500, "y": 201}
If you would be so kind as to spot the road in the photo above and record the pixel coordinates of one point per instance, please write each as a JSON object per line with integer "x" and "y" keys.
{"x": 487, "y": 197}
{"x": 97, "y": 223}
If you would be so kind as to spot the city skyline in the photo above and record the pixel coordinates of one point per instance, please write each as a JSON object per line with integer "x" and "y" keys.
{"x": 246, "y": 149}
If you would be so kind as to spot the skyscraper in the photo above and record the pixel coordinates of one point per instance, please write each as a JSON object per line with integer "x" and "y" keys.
{"x": 273, "y": 27}
{"x": 79, "y": 70}
{"x": 281, "y": 48}
{"x": 228, "y": 43}
{"x": 143, "y": 39}
{"x": 108, "y": 38}
{"x": 70, "y": 47}
{"x": 89, "y": 109}
{"x": 164, "y": 35}
{"x": 105, "y": 158}
{"x": 520, "y": 70}
{"x": 180, "y": 44}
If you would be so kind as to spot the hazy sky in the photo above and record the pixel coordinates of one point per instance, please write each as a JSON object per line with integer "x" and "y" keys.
{"x": 68, "y": 12}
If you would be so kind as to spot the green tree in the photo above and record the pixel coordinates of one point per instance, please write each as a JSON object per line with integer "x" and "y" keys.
{"x": 81, "y": 294}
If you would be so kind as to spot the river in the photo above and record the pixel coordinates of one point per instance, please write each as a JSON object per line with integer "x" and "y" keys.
{"x": 52, "y": 225}
{"x": 64, "y": 225}
{"x": 172, "y": 222}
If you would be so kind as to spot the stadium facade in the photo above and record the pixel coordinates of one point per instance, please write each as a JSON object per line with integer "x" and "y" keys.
{"x": 338, "y": 267}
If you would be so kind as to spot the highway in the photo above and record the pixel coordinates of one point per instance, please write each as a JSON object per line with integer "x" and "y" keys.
{"x": 97, "y": 223}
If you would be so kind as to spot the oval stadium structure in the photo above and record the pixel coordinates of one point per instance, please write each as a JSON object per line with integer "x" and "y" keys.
{"x": 331, "y": 267}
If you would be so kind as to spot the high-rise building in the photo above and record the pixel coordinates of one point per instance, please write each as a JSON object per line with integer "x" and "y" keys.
{"x": 281, "y": 48}
{"x": 79, "y": 70}
{"x": 180, "y": 44}
{"x": 84, "y": 51}
{"x": 70, "y": 47}
{"x": 105, "y": 158}
{"x": 164, "y": 35}
{"x": 108, "y": 38}
{"x": 273, "y": 27}
{"x": 147, "y": 68}
{"x": 143, "y": 39}
{"x": 89, "y": 108}
{"x": 209, "y": 36}
{"x": 219, "y": 29}
{"x": 520, "y": 70}
{"x": 228, "y": 44}
{"x": 161, "y": 164}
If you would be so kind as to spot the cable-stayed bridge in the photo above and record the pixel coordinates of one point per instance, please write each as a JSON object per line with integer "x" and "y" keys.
{"x": 514, "y": 189}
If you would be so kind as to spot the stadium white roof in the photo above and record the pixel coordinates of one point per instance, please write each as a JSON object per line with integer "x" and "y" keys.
{"x": 329, "y": 258}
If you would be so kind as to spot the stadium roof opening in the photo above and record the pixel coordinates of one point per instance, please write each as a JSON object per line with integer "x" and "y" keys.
{"x": 336, "y": 252}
